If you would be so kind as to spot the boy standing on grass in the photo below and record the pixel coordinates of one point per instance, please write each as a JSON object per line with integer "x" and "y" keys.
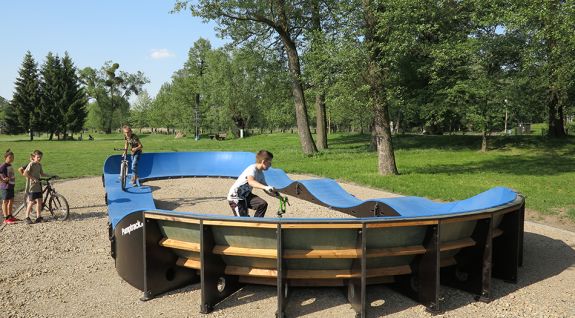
{"x": 240, "y": 196}
{"x": 33, "y": 172}
{"x": 133, "y": 141}
{"x": 7, "y": 183}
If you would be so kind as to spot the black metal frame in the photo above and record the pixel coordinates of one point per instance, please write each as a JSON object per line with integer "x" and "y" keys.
{"x": 489, "y": 257}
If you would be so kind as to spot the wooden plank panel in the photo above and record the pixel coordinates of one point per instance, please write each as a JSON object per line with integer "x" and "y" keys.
{"x": 321, "y": 253}
{"x": 496, "y": 233}
{"x": 321, "y": 226}
{"x": 447, "y": 246}
{"x": 242, "y": 251}
{"x": 444, "y": 262}
{"x": 401, "y": 224}
{"x": 180, "y": 245}
{"x": 250, "y": 271}
{"x": 189, "y": 263}
{"x": 396, "y": 251}
{"x": 241, "y": 224}
{"x": 466, "y": 218}
{"x": 171, "y": 218}
{"x": 388, "y": 271}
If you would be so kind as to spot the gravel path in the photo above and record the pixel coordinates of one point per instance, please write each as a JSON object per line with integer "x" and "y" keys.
{"x": 63, "y": 269}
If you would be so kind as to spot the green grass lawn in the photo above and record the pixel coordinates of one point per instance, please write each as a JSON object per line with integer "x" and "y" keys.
{"x": 437, "y": 167}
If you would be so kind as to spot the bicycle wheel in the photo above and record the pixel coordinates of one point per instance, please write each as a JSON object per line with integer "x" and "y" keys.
{"x": 123, "y": 174}
{"x": 58, "y": 207}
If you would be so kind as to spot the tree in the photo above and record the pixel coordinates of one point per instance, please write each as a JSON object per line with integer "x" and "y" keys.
{"x": 140, "y": 110}
{"x": 26, "y": 99}
{"x": 111, "y": 92}
{"x": 548, "y": 52}
{"x": 52, "y": 95}
{"x": 75, "y": 99}
{"x": 264, "y": 20}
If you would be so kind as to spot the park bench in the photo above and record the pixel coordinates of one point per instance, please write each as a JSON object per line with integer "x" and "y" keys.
{"x": 219, "y": 136}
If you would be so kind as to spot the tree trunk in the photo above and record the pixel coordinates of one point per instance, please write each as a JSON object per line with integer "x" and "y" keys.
{"x": 31, "y": 135}
{"x": 483, "y": 141}
{"x": 556, "y": 124}
{"x": 306, "y": 140}
{"x": 375, "y": 79}
{"x": 321, "y": 121}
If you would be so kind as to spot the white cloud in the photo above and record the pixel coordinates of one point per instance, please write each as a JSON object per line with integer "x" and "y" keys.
{"x": 158, "y": 54}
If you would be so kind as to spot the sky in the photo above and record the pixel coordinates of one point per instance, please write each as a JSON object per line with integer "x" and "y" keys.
{"x": 140, "y": 35}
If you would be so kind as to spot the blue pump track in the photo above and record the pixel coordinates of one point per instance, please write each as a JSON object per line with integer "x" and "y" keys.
{"x": 325, "y": 192}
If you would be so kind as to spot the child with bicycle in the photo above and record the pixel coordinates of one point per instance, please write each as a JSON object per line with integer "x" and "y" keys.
{"x": 33, "y": 173}
{"x": 135, "y": 144}
{"x": 7, "y": 183}
{"x": 240, "y": 196}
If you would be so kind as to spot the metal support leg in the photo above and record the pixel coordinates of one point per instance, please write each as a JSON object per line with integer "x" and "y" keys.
{"x": 356, "y": 286}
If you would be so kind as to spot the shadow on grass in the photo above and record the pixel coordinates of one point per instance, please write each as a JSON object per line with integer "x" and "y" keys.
{"x": 457, "y": 142}
{"x": 543, "y": 165}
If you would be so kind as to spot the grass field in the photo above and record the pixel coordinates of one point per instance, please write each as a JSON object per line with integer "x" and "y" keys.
{"x": 437, "y": 167}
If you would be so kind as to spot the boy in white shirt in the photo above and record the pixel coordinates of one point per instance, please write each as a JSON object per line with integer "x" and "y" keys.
{"x": 240, "y": 196}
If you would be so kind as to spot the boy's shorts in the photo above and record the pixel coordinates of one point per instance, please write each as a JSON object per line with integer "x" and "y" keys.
{"x": 7, "y": 194}
{"x": 34, "y": 195}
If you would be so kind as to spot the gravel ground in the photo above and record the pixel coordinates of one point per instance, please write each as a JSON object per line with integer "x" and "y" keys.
{"x": 63, "y": 269}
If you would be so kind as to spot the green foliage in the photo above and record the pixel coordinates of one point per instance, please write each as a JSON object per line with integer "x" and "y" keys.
{"x": 111, "y": 92}
{"x": 26, "y": 99}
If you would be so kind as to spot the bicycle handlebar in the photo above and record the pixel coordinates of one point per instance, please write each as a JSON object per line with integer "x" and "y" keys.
{"x": 49, "y": 178}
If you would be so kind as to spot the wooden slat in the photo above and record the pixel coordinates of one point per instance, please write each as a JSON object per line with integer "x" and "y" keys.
{"x": 388, "y": 271}
{"x": 447, "y": 246}
{"x": 401, "y": 224}
{"x": 241, "y": 224}
{"x": 189, "y": 262}
{"x": 250, "y": 271}
{"x": 496, "y": 233}
{"x": 321, "y": 226}
{"x": 171, "y": 218}
{"x": 317, "y": 253}
{"x": 444, "y": 262}
{"x": 466, "y": 218}
{"x": 322, "y": 253}
{"x": 396, "y": 251}
{"x": 180, "y": 245}
{"x": 248, "y": 252}
{"x": 317, "y": 274}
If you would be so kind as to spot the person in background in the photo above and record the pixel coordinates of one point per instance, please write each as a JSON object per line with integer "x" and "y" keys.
{"x": 133, "y": 141}
{"x": 7, "y": 184}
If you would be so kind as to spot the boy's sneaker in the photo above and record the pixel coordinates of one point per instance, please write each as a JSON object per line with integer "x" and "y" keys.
{"x": 8, "y": 221}
{"x": 28, "y": 221}
{"x": 12, "y": 218}
{"x": 39, "y": 220}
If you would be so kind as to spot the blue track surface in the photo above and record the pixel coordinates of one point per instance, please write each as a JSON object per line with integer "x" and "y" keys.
{"x": 231, "y": 164}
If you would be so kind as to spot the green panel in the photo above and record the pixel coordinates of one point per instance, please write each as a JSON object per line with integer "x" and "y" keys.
{"x": 302, "y": 239}
{"x": 456, "y": 230}
{"x": 377, "y": 262}
{"x": 395, "y": 236}
{"x": 245, "y": 237}
{"x": 186, "y": 232}
{"x": 250, "y": 262}
{"x": 319, "y": 264}
{"x": 187, "y": 254}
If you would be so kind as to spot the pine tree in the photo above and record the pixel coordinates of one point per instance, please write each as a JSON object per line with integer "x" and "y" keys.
{"x": 52, "y": 95}
{"x": 75, "y": 112}
{"x": 26, "y": 99}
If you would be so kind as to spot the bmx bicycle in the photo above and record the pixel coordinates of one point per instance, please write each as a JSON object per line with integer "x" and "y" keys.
{"x": 52, "y": 201}
{"x": 284, "y": 202}
{"x": 123, "y": 167}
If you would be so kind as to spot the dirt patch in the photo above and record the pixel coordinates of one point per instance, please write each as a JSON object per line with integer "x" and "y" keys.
{"x": 64, "y": 269}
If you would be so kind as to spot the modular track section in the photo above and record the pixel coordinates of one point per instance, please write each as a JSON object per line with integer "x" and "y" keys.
{"x": 412, "y": 243}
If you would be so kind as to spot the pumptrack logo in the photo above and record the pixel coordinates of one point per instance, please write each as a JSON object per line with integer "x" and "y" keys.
{"x": 132, "y": 227}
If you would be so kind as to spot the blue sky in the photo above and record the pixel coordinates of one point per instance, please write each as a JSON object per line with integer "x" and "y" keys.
{"x": 140, "y": 35}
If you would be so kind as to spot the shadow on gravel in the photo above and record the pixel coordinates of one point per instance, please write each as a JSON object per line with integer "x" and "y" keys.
{"x": 87, "y": 215}
{"x": 174, "y": 203}
{"x": 543, "y": 257}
